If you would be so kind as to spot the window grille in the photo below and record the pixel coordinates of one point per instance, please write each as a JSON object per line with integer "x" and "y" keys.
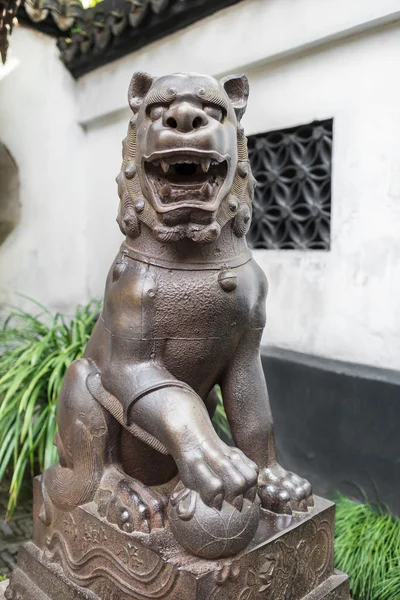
{"x": 292, "y": 202}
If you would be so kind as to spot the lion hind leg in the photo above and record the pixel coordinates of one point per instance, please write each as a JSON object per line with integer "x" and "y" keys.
{"x": 82, "y": 444}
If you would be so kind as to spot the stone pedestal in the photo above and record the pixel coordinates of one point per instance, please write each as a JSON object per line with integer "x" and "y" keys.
{"x": 80, "y": 556}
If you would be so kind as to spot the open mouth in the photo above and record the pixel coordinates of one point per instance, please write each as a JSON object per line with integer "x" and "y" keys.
{"x": 186, "y": 177}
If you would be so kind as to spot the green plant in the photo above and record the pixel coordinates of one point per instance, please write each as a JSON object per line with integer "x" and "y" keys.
{"x": 367, "y": 547}
{"x": 220, "y": 420}
{"x": 390, "y": 587}
{"x": 35, "y": 354}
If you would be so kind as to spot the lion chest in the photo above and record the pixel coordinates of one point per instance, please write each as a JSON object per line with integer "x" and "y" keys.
{"x": 191, "y": 321}
{"x": 194, "y": 305}
{"x": 154, "y": 303}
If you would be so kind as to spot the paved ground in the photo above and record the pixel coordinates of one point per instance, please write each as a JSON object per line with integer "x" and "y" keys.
{"x": 16, "y": 531}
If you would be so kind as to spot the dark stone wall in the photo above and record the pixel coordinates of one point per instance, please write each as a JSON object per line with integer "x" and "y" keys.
{"x": 337, "y": 423}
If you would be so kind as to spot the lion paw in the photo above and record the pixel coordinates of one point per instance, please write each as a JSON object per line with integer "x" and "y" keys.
{"x": 283, "y": 492}
{"x": 132, "y": 506}
{"x": 218, "y": 472}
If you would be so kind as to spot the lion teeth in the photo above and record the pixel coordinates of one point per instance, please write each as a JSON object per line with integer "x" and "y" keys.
{"x": 164, "y": 166}
{"x": 205, "y": 165}
{"x": 165, "y": 191}
{"x": 206, "y": 190}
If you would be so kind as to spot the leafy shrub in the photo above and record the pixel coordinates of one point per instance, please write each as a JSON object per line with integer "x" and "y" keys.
{"x": 367, "y": 548}
{"x": 35, "y": 354}
{"x": 220, "y": 420}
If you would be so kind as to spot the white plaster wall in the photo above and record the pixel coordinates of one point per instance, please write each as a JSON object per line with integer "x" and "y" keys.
{"x": 104, "y": 146}
{"x": 306, "y": 60}
{"x": 343, "y": 303}
{"x": 44, "y": 257}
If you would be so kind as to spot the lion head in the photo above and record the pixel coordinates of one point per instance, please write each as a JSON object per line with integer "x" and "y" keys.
{"x": 185, "y": 170}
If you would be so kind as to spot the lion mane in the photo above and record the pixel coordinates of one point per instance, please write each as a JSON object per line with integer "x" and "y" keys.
{"x": 134, "y": 208}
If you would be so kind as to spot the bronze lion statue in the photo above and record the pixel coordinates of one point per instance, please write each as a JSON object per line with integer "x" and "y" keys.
{"x": 184, "y": 312}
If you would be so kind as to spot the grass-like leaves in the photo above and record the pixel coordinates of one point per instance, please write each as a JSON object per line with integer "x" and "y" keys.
{"x": 220, "y": 420}
{"x": 35, "y": 352}
{"x": 367, "y": 548}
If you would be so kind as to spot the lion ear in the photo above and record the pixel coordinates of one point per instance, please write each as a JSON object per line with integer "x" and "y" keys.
{"x": 237, "y": 88}
{"x": 138, "y": 88}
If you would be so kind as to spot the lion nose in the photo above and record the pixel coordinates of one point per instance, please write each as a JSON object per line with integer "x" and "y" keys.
{"x": 185, "y": 118}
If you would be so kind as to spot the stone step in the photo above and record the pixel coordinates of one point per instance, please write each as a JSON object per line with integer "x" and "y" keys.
{"x": 334, "y": 588}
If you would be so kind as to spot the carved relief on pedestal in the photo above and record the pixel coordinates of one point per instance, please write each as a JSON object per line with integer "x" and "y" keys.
{"x": 94, "y": 555}
{"x": 295, "y": 563}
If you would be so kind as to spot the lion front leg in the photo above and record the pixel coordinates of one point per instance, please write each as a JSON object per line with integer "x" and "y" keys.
{"x": 246, "y": 402}
{"x": 178, "y": 418}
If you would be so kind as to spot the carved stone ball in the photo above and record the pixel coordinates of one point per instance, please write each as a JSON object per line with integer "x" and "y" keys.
{"x": 207, "y": 532}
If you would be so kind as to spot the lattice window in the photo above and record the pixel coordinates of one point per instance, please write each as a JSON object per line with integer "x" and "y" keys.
{"x": 292, "y": 203}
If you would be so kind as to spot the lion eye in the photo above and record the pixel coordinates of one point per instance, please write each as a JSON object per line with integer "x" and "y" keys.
{"x": 156, "y": 111}
{"x": 214, "y": 112}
